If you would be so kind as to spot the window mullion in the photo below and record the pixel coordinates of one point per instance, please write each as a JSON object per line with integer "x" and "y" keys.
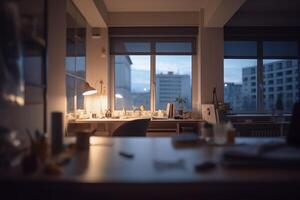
{"x": 260, "y": 85}
{"x": 153, "y": 83}
{"x": 298, "y": 69}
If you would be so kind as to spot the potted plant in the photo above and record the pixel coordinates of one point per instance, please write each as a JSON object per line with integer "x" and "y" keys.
{"x": 181, "y": 101}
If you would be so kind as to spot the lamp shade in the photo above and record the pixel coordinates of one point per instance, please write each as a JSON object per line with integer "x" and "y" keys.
{"x": 119, "y": 96}
{"x": 88, "y": 90}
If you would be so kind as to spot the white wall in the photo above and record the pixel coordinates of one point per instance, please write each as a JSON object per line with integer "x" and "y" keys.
{"x": 211, "y": 63}
{"x": 127, "y": 19}
{"x": 97, "y": 55}
{"x": 56, "y": 84}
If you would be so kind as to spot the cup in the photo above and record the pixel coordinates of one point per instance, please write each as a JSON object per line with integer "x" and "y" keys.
{"x": 206, "y": 132}
{"x": 220, "y": 134}
{"x": 83, "y": 140}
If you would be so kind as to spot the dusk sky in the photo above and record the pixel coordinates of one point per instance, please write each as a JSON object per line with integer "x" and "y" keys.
{"x": 233, "y": 68}
{"x": 141, "y": 69}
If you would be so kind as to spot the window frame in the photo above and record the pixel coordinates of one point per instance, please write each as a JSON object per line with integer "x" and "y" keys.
{"x": 77, "y": 78}
{"x": 76, "y": 55}
{"x": 261, "y": 35}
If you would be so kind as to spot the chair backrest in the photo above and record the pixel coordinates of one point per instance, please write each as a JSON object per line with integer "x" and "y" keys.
{"x": 293, "y": 136}
{"x": 132, "y": 128}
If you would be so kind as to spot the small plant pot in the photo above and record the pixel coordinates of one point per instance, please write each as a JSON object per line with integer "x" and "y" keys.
{"x": 180, "y": 112}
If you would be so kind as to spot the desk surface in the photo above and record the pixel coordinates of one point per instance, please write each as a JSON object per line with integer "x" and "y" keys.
{"x": 130, "y": 119}
{"x": 102, "y": 165}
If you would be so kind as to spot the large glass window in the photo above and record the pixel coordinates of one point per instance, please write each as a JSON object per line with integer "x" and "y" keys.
{"x": 159, "y": 64}
{"x": 284, "y": 87}
{"x": 261, "y": 78}
{"x": 173, "y": 79}
{"x": 132, "y": 81}
{"x": 240, "y": 83}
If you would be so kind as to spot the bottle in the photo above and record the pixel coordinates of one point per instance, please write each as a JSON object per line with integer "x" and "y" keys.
{"x": 207, "y": 132}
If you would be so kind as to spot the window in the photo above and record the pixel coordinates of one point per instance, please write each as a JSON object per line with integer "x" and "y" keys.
{"x": 133, "y": 86}
{"x": 270, "y": 68}
{"x": 289, "y": 80}
{"x": 274, "y": 63}
{"x": 152, "y": 71}
{"x": 173, "y": 78}
{"x": 132, "y": 81}
{"x": 288, "y": 72}
{"x": 75, "y": 58}
{"x": 289, "y": 87}
{"x": 278, "y": 74}
{"x": 241, "y": 96}
{"x": 270, "y": 82}
{"x": 286, "y": 76}
{"x": 289, "y": 64}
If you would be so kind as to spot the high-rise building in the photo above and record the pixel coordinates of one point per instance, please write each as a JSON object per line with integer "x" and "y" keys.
{"x": 169, "y": 86}
{"x": 123, "y": 83}
{"x": 280, "y": 78}
{"x": 233, "y": 94}
{"x": 249, "y": 82}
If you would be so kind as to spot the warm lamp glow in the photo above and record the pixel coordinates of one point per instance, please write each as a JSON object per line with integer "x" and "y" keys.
{"x": 88, "y": 90}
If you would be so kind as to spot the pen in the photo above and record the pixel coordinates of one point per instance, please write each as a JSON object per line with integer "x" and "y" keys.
{"x": 126, "y": 155}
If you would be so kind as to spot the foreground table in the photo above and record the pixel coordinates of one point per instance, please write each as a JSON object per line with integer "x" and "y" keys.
{"x": 102, "y": 172}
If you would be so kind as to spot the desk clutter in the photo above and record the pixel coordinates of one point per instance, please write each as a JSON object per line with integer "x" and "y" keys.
{"x": 215, "y": 148}
{"x": 262, "y": 156}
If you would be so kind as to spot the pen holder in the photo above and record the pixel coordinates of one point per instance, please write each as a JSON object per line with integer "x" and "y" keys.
{"x": 83, "y": 140}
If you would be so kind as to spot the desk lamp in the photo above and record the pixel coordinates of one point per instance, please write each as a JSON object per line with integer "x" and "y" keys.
{"x": 88, "y": 90}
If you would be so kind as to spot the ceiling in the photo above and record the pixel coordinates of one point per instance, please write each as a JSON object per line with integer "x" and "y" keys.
{"x": 142, "y": 12}
{"x": 262, "y": 6}
{"x": 155, "y": 5}
{"x": 267, "y": 13}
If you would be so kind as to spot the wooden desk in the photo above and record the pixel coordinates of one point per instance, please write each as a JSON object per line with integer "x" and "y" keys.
{"x": 101, "y": 173}
{"x": 157, "y": 127}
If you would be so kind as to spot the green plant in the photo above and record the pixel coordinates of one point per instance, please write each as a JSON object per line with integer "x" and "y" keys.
{"x": 181, "y": 101}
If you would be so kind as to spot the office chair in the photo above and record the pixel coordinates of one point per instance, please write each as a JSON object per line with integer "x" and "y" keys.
{"x": 132, "y": 128}
{"x": 293, "y": 136}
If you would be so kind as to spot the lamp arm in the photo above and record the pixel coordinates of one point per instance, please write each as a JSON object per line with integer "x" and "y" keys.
{"x": 101, "y": 85}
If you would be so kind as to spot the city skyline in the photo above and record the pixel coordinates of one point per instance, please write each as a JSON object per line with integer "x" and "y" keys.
{"x": 132, "y": 80}
{"x": 234, "y": 68}
{"x": 140, "y": 69}
{"x": 280, "y": 78}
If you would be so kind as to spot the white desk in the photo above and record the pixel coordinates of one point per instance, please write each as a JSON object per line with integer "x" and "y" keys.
{"x": 174, "y": 126}
{"x": 101, "y": 173}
